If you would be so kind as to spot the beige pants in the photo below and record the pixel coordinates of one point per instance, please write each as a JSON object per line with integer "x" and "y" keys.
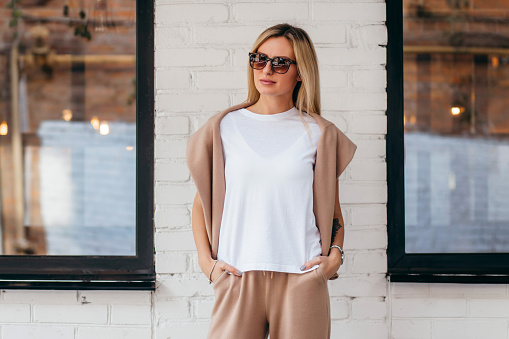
{"x": 286, "y": 305}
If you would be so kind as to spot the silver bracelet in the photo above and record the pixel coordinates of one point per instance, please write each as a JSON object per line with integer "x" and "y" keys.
{"x": 210, "y": 274}
{"x": 342, "y": 253}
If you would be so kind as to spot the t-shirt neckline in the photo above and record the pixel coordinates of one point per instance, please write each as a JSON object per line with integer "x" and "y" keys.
{"x": 270, "y": 117}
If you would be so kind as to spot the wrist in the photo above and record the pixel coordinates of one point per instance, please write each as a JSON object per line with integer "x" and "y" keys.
{"x": 336, "y": 254}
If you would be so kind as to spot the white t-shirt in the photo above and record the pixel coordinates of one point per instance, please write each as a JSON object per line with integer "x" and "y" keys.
{"x": 268, "y": 221}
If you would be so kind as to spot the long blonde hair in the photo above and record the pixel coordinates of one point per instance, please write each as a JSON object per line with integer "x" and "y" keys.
{"x": 306, "y": 94}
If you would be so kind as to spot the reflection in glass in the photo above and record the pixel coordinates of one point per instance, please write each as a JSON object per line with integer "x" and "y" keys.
{"x": 68, "y": 130}
{"x": 456, "y": 71}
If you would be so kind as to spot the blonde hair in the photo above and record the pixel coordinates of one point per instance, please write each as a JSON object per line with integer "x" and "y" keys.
{"x": 306, "y": 94}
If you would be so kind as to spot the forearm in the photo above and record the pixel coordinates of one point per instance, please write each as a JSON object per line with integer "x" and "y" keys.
{"x": 338, "y": 229}
{"x": 200, "y": 235}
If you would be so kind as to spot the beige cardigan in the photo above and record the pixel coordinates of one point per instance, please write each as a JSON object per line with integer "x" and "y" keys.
{"x": 206, "y": 164}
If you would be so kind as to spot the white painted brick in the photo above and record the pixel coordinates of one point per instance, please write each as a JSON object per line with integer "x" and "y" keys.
{"x": 175, "y": 194}
{"x": 185, "y": 13}
{"x": 167, "y": 37}
{"x": 171, "y": 263}
{"x": 327, "y": 11}
{"x": 370, "y": 79}
{"x": 428, "y": 307}
{"x": 368, "y": 170}
{"x": 14, "y": 313}
{"x": 363, "y": 193}
{"x": 409, "y": 289}
{"x": 492, "y": 308}
{"x": 240, "y": 58}
{"x": 227, "y": 35}
{"x": 179, "y": 57}
{"x": 373, "y": 285}
{"x": 370, "y": 149}
{"x": 365, "y": 239}
{"x": 172, "y": 79}
{"x": 114, "y": 332}
{"x": 477, "y": 290}
{"x": 170, "y": 147}
{"x": 172, "y": 217}
{"x": 203, "y": 308}
{"x": 186, "y": 285}
{"x": 171, "y": 125}
{"x": 131, "y": 314}
{"x": 33, "y": 296}
{"x": 369, "y": 124}
{"x": 369, "y": 309}
{"x": 369, "y": 215}
{"x": 411, "y": 328}
{"x": 79, "y": 314}
{"x": 354, "y": 101}
{"x": 227, "y": 79}
{"x": 469, "y": 328}
{"x": 369, "y": 262}
{"x": 333, "y": 79}
{"x": 115, "y": 297}
{"x": 343, "y": 56}
{"x": 182, "y": 330}
{"x": 172, "y": 309}
{"x": 175, "y": 241}
{"x": 369, "y": 36}
{"x": 326, "y": 33}
{"x": 285, "y": 11}
{"x": 339, "y": 308}
{"x": 37, "y": 332}
{"x": 358, "y": 329}
{"x": 192, "y": 102}
{"x": 171, "y": 171}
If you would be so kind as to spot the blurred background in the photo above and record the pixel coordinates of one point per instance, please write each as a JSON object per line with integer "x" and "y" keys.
{"x": 456, "y": 107}
{"x": 67, "y": 127}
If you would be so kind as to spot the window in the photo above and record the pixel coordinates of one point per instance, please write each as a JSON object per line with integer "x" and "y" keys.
{"x": 76, "y": 146}
{"x": 448, "y": 141}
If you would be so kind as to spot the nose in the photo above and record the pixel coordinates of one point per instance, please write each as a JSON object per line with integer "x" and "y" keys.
{"x": 267, "y": 69}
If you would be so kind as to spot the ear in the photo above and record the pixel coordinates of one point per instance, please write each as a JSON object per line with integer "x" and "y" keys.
{"x": 298, "y": 77}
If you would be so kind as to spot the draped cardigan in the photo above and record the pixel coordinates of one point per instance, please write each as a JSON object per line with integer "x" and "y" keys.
{"x": 205, "y": 160}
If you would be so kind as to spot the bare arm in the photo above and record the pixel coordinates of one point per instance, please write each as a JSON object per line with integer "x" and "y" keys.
{"x": 202, "y": 243}
{"x": 338, "y": 229}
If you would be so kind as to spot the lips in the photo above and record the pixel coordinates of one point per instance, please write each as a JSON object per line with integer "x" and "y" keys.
{"x": 267, "y": 82}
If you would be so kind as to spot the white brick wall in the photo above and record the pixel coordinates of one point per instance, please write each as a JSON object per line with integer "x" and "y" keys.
{"x": 200, "y": 60}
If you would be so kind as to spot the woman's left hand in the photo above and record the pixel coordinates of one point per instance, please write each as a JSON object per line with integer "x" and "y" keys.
{"x": 330, "y": 264}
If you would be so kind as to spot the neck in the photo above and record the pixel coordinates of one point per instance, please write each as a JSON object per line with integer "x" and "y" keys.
{"x": 269, "y": 105}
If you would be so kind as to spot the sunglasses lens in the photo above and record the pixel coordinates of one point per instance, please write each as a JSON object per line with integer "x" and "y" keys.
{"x": 257, "y": 61}
{"x": 280, "y": 65}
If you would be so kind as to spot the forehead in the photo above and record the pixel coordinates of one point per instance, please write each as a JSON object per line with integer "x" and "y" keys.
{"x": 277, "y": 46}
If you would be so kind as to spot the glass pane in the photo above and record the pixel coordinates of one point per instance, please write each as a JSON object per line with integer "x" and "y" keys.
{"x": 456, "y": 71}
{"x": 68, "y": 129}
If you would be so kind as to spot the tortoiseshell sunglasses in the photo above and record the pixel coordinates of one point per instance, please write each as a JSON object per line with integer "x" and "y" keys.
{"x": 279, "y": 65}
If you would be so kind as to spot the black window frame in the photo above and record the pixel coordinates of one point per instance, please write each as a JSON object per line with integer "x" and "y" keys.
{"x": 108, "y": 272}
{"x": 420, "y": 267}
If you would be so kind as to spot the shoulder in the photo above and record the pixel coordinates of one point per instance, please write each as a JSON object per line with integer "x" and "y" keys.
{"x": 212, "y": 124}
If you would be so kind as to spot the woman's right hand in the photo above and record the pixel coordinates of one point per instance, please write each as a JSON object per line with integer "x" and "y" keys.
{"x": 219, "y": 268}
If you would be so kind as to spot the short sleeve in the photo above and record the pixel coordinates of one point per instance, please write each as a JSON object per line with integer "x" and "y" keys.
{"x": 345, "y": 151}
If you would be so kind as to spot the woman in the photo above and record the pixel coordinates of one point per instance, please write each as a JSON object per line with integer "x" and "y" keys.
{"x": 266, "y": 173}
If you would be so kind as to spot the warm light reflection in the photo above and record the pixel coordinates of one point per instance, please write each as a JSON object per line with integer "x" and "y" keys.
{"x": 94, "y": 122}
{"x": 494, "y": 61}
{"x": 129, "y": 148}
{"x": 67, "y": 114}
{"x": 404, "y": 120}
{"x": 455, "y": 110}
{"x": 104, "y": 128}
{"x": 413, "y": 119}
{"x": 3, "y": 128}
